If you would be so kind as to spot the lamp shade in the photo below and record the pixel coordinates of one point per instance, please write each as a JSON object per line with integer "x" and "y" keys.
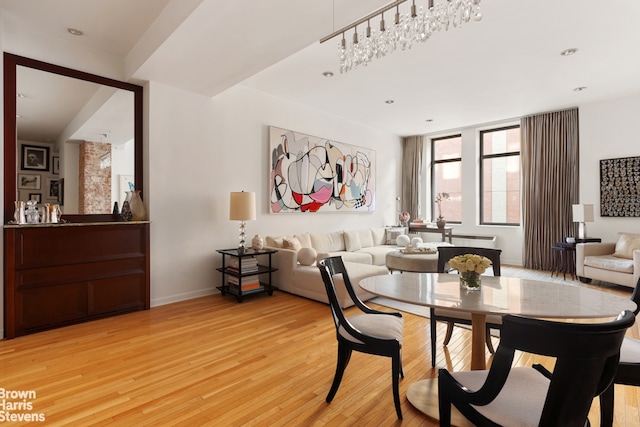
{"x": 582, "y": 213}
{"x": 242, "y": 206}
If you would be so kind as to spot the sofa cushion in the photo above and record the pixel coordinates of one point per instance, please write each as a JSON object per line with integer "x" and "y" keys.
{"x": 352, "y": 240}
{"x": 291, "y": 243}
{"x": 305, "y": 240}
{"x": 273, "y": 241}
{"x": 366, "y": 239}
{"x": 609, "y": 262}
{"x": 356, "y": 257}
{"x": 307, "y": 256}
{"x": 378, "y": 253}
{"x": 379, "y": 236}
{"x": 328, "y": 242}
{"x": 626, "y": 244}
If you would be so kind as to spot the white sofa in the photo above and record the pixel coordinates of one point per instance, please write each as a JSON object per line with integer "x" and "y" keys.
{"x": 617, "y": 262}
{"x": 363, "y": 252}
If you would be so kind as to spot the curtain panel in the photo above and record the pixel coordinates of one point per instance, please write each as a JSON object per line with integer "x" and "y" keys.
{"x": 550, "y": 157}
{"x": 412, "y": 152}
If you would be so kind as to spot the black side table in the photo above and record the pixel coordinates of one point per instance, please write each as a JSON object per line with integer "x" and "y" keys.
{"x": 243, "y": 274}
{"x": 568, "y": 254}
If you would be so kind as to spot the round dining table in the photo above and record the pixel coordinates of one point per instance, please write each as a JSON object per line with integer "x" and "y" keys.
{"x": 498, "y": 295}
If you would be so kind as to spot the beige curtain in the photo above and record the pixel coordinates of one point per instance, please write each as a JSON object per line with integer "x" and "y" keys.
{"x": 550, "y": 183}
{"x": 413, "y": 147}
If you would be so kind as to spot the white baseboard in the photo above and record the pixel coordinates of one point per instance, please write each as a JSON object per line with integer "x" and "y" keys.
{"x": 182, "y": 297}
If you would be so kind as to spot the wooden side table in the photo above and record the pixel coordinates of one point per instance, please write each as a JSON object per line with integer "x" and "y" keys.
{"x": 243, "y": 274}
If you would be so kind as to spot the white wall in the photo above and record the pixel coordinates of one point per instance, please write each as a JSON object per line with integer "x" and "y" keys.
{"x": 200, "y": 149}
{"x": 607, "y": 132}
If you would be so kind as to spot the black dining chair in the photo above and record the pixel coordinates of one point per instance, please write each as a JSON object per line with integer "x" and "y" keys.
{"x": 586, "y": 356}
{"x": 628, "y": 372}
{"x": 371, "y": 331}
{"x": 451, "y": 317}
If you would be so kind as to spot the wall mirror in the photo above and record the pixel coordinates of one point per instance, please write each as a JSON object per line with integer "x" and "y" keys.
{"x": 70, "y": 137}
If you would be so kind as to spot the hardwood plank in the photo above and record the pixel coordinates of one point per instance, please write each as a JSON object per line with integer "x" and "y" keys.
{"x": 211, "y": 361}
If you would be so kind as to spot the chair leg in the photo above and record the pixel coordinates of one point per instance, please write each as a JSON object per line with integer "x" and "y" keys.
{"x": 433, "y": 339}
{"x": 447, "y": 336}
{"x": 344, "y": 354}
{"x": 444, "y": 406}
{"x": 606, "y": 407}
{"x": 396, "y": 369}
{"x": 489, "y": 342}
{"x": 401, "y": 370}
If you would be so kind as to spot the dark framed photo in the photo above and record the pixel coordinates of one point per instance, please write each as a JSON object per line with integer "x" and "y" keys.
{"x": 34, "y": 158}
{"x": 27, "y": 181}
{"x": 53, "y": 188}
{"x": 56, "y": 165}
{"x": 36, "y": 196}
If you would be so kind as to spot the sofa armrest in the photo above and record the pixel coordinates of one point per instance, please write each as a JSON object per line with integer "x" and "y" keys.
{"x": 285, "y": 260}
{"x": 588, "y": 249}
{"x": 636, "y": 266}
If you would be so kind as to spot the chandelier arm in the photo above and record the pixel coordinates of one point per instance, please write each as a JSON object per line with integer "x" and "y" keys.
{"x": 362, "y": 20}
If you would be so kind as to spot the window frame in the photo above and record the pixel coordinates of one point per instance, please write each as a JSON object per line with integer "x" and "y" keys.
{"x": 483, "y": 157}
{"x": 434, "y": 213}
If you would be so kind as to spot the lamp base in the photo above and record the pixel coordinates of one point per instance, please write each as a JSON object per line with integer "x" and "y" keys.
{"x": 241, "y": 244}
{"x": 582, "y": 230}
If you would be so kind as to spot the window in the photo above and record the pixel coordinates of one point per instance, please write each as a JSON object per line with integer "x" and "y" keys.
{"x": 446, "y": 169}
{"x": 500, "y": 176}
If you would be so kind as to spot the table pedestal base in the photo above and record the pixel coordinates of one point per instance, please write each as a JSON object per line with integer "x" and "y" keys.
{"x": 423, "y": 395}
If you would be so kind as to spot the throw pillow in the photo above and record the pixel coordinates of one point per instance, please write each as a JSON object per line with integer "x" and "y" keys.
{"x": 393, "y": 233}
{"x": 403, "y": 240}
{"x": 307, "y": 256}
{"x": 352, "y": 241}
{"x": 322, "y": 255}
{"x": 291, "y": 243}
{"x": 626, "y": 244}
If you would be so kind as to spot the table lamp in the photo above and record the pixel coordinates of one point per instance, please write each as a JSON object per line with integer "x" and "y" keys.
{"x": 582, "y": 214}
{"x": 242, "y": 207}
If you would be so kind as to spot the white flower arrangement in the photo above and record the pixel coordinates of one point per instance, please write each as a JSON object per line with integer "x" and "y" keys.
{"x": 470, "y": 263}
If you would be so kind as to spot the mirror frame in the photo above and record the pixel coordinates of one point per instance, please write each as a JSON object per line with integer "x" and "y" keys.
{"x": 11, "y": 62}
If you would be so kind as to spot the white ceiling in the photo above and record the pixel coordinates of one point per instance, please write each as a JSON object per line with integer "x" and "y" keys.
{"x": 506, "y": 66}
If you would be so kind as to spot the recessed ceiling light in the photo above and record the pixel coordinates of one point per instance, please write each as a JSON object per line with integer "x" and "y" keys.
{"x": 389, "y": 101}
{"x": 327, "y": 74}
{"x": 21, "y": 95}
{"x": 569, "y": 52}
{"x": 18, "y": 116}
{"x": 74, "y": 31}
{"x": 429, "y": 120}
{"x": 579, "y": 88}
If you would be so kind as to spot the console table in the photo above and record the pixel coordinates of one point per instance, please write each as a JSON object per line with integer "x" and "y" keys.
{"x": 242, "y": 273}
{"x": 445, "y": 232}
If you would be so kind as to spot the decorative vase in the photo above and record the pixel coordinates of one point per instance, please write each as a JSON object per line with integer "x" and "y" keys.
{"x": 125, "y": 213}
{"x": 470, "y": 280}
{"x": 138, "y": 211}
{"x": 19, "y": 212}
{"x": 257, "y": 242}
{"x": 441, "y": 223}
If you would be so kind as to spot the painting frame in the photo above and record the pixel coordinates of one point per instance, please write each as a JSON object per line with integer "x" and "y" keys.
{"x": 53, "y": 188}
{"x": 34, "y": 157}
{"x": 310, "y": 174}
{"x": 620, "y": 187}
{"x": 28, "y": 181}
{"x": 55, "y": 165}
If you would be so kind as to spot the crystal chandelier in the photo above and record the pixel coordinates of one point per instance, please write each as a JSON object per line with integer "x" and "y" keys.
{"x": 413, "y": 27}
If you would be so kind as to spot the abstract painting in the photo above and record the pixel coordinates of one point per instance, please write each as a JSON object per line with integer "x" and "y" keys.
{"x": 312, "y": 174}
{"x": 620, "y": 187}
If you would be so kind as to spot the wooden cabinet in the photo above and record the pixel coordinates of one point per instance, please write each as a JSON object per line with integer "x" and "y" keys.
{"x": 60, "y": 274}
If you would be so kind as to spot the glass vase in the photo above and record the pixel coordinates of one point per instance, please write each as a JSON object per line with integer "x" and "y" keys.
{"x": 470, "y": 280}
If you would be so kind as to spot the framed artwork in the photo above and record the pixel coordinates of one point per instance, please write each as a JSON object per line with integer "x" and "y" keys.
{"x": 61, "y": 192}
{"x": 620, "y": 187}
{"x": 36, "y": 196}
{"x": 53, "y": 188}
{"x": 34, "y": 157}
{"x": 311, "y": 174}
{"x": 27, "y": 181}
{"x": 56, "y": 165}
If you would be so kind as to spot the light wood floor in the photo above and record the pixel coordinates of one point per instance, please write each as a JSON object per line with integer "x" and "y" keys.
{"x": 210, "y": 361}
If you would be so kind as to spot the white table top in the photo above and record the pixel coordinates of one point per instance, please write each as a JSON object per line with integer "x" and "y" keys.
{"x": 499, "y": 295}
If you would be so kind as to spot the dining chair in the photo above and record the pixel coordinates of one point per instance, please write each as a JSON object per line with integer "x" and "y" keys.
{"x": 586, "y": 356}
{"x": 628, "y": 372}
{"x": 451, "y": 317}
{"x": 372, "y": 331}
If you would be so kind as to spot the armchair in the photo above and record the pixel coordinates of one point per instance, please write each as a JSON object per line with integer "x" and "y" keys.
{"x": 617, "y": 263}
